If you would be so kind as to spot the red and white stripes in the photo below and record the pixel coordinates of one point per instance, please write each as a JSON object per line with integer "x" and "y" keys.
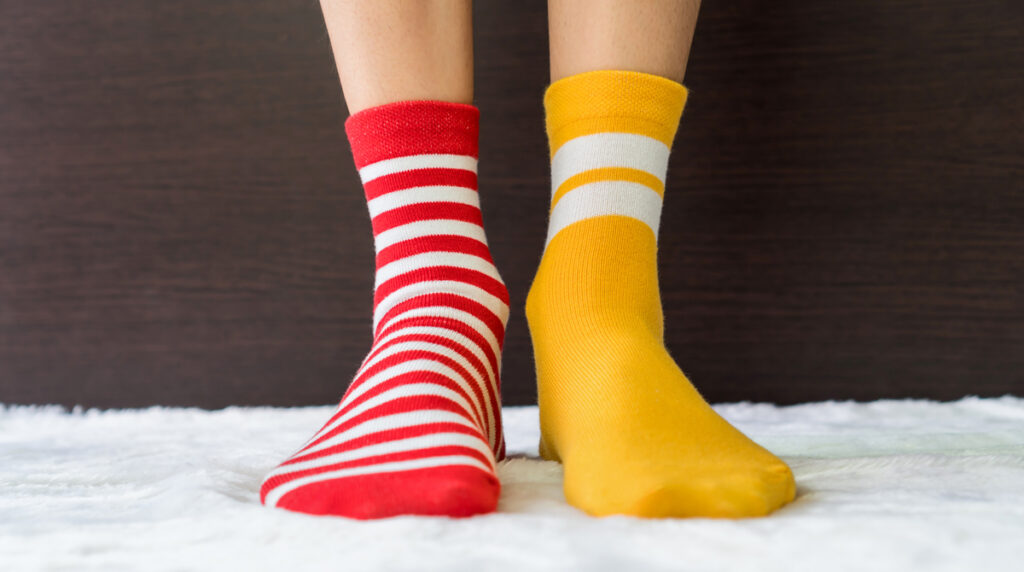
{"x": 419, "y": 429}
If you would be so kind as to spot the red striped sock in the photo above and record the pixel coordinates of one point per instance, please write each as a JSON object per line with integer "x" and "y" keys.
{"x": 419, "y": 429}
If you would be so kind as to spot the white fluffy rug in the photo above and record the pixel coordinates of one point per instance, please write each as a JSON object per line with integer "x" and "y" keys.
{"x": 888, "y": 485}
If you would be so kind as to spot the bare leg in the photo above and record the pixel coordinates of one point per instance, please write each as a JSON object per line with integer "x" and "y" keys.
{"x": 651, "y": 36}
{"x": 401, "y": 50}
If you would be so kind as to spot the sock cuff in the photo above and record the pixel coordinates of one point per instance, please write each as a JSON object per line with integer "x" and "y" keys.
{"x": 613, "y": 101}
{"x": 416, "y": 127}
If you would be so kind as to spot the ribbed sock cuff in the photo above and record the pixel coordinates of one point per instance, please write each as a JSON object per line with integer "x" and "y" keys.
{"x": 613, "y": 100}
{"x": 415, "y": 127}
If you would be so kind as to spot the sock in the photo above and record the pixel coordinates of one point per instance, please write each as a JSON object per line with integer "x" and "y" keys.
{"x": 635, "y": 437}
{"x": 419, "y": 429}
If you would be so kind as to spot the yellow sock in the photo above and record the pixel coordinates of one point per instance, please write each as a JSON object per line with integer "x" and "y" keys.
{"x": 634, "y": 435}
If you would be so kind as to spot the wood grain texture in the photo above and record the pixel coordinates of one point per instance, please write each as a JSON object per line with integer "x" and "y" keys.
{"x": 181, "y": 224}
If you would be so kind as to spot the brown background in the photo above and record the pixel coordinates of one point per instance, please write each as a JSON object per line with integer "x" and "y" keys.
{"x": 180, "y": 222}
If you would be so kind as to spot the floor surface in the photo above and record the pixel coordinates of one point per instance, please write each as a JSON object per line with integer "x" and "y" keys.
{"x": 890, "y": 485}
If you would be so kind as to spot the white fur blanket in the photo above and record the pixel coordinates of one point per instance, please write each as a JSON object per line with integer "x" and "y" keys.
{"x": 887, "y": 485}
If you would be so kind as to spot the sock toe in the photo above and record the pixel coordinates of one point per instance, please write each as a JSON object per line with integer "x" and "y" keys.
{"x": 721, "y": 494}
{"x": 442, "y": 491}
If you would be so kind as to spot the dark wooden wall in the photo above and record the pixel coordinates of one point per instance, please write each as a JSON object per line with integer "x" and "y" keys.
{"x": 180, "y": 222}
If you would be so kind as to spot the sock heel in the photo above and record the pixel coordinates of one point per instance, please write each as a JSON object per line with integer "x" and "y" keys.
{"x": 547, "y": 452}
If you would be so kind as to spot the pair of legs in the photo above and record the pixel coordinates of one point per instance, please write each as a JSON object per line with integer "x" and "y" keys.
{"x": 419, "y": 429}
{"x": 400, "y": 50}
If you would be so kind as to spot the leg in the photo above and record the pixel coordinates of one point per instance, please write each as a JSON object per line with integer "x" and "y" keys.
{"x": 650, "y": 36}
{"x": 633, "y": 433}
{"x": 396, "y": 50}
{"x": 419, "y": 429}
